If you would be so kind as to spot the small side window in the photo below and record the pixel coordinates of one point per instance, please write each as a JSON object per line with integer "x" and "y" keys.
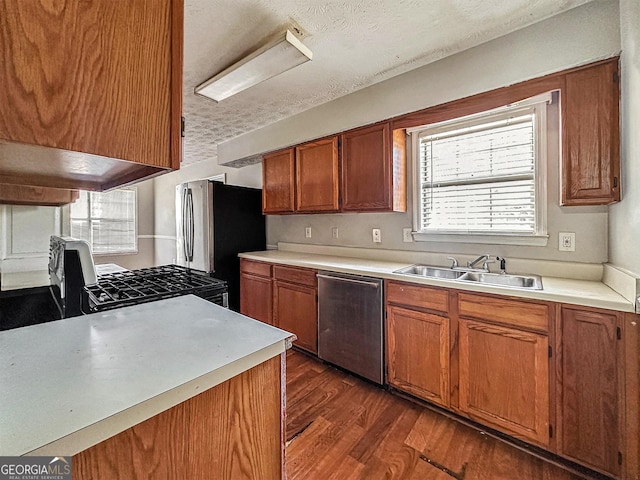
{"x": 106, "y": 220}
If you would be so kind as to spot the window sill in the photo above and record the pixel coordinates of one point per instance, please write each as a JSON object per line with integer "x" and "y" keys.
{"x": 489, "y": 238}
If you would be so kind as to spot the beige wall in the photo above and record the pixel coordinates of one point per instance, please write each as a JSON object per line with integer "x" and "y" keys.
{"x": 582, "y": 35}
{"x": 625, "y": 217}
{"x": 165, "y": 215}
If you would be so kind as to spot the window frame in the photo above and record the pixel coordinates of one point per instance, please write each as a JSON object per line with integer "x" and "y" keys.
{"x": 540, "y": 236}
{"x": 135, "y": 251}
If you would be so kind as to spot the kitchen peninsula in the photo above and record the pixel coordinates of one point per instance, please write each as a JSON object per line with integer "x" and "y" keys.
{"x": 179, "y": 387}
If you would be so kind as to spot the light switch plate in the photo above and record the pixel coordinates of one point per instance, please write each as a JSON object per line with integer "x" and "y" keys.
{"x": 377, "y": 236}
{"x": 307, "y": 232}
{"x": 334, "y": 232}
{"x": 406, "y": 235}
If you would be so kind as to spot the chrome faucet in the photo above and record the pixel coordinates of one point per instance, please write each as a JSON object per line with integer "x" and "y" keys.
{"x": 486, "y": 259}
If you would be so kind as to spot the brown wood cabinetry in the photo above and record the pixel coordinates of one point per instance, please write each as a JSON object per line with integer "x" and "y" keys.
{"x": 286, "y": 297}
{"x": 369, "y": 175}
{"x": 418, "y": 353}
{"x": 373, "y": 170}
{"x": 590, "y": 389}
{"x": 418, "y": 341}
{"x": 504, "y": 364}
{"x": 317, "y": 180}
{"x": 302, "y": 179}
{"x": 590, "y": 136}
{"x": 99, "y": 84}
{"x": 255, "y": 290}
{"x": 504, "y": 379}
{"x": 295, "y": 299}
{"x": 278, "y": 177}
{"x": 232, "y": 431}
{"x": 30, "y": 195}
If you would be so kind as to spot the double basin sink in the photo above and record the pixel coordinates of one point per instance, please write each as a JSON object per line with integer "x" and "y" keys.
{"x": 529, "y": 282}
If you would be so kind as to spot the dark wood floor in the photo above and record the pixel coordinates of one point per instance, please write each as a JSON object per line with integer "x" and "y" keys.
{"x": 340, "y": 428}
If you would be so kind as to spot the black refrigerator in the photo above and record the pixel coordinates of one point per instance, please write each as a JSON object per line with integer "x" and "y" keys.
{"x": 215, "y": 222}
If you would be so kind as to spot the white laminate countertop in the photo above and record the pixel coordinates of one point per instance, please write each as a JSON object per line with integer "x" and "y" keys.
{"x": 69, "y": 384}
{"x": 577, "y": 292}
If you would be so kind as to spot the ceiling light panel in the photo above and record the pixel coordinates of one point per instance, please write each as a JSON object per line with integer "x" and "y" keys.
{"x": 274, "y": 58}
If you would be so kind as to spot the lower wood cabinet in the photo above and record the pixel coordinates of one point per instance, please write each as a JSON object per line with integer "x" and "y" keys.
{"x": 504, "y": 379}
{"x": 255, "y": 290}
{"x": 295, "y": 304}
{"x": 590, "y": 388}
{"x": 418, "y": 353}
{"x": 286, "y": 297}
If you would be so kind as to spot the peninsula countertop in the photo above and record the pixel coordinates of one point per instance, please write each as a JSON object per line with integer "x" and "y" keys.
{"x": 565, "y": 290}
{"x": 69, "y": 384}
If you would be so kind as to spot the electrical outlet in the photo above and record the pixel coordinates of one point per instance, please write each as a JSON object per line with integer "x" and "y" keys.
{"x": 307, "y": 232}
{"x": 406, "y": 235}
{"x": 334, "y": 232}
{"x": 377, "y": 236}
{"x": 567, "y": 242}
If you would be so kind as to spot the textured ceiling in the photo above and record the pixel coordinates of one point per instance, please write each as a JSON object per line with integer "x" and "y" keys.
{"x": 355, "y": 43}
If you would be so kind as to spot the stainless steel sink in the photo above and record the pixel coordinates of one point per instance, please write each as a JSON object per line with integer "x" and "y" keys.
{"x": 433, "y": 272}
{"x": 533, "y": 282}
{"x": 529, "y": 282}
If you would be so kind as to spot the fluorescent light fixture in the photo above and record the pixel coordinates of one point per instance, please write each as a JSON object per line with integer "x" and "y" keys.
{"x": 274, "y": 58}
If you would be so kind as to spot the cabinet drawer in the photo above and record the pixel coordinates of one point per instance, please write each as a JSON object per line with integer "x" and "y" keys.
{"x": 302, "y": 276}
{"x": 418, "y": 296}
{"x": 534, "y": 316}
{"x": 260, "y": 269}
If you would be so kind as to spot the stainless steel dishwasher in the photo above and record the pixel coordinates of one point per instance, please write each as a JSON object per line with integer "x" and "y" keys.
{"x": 350, "y": 323}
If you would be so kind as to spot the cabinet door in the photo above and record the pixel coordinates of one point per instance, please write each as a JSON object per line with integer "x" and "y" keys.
{"x": 255, "y": 298}
{"x": 366, "y": 169}
{"x": 100, "y": 77}
{"x": 278, "y": 182}
{"x": 418, "y": 353}
{"x": 296, "y": 311}
{"x": 317, "y": 173}
{"x": 590, "y": 136}
{"x": 504, "y": 379}
{"x": 590, "y": 394}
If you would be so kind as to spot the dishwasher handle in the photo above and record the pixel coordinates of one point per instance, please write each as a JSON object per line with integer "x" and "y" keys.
{"x": 348, "y": 280}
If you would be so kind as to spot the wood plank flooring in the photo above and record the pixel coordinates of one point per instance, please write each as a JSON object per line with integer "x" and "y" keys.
{"x": 342, "y": 428}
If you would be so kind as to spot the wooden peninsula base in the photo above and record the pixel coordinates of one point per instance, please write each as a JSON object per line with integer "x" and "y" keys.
{"x": 231, "y": 431}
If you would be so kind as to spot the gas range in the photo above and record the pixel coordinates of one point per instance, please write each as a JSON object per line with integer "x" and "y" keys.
{"x": 132, "y": 287}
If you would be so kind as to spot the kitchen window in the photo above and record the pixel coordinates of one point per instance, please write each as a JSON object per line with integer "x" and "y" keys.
{"x": 106, "y": 220}
{"x": 482, "y": 178}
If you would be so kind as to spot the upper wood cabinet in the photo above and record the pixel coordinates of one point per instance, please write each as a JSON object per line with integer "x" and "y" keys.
{"x": 91, "y": 92}
{"x": 317, "y": 180}
{"x": 369, "y": 175}
{"x": 278, "y": 187}
{"x": 590, "y": 388}
{"x": 374, "y": 170}
{"x": 30, "y": 195}
{"x": 590, "y": 136}
{"x": 302, "y": 179}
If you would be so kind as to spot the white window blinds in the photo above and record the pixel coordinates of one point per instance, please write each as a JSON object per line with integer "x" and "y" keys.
{"x": 106, "y": 220}
{"x": 479, "y": 175}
